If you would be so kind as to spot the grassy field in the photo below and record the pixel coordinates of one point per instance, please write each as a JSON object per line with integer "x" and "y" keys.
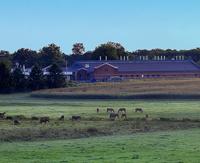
{"x": 157, "y": 147}
{"x": 145, "y": 88}
{"x": 114, "y": 141}
{"x": 23, "y": 104}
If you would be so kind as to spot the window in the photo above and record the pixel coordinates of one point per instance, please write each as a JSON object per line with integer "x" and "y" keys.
{"x": 87, "y": 65}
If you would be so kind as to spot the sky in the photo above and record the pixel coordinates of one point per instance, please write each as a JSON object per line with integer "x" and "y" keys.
{"x": 136, "y": 24}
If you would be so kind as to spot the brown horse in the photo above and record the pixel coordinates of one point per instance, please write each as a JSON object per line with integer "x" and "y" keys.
{"x": 110, "y": 110}
{"x": 122, "y": 110}
{"x": 139, "y": 110}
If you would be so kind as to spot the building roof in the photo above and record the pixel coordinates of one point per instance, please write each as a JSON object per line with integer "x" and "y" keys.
{"x": 140, "y": 66}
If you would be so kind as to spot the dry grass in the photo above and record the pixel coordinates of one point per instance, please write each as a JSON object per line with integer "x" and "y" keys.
{"x": 132, "y": 87}
{"x": 32, "y": 130}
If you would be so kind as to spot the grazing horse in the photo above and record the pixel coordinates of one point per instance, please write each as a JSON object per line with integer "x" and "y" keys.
{"x": 2, "y": 115}
{"x": 98, "y": 110}
{"x": 76, "y": 117}
{"x": 122, "y": 110}
{"x": 139, "y": 110}
{"x": 110, "y": 110}
{"x": 124, "y": 116}
{"x": 16, "y": 122}
{"x": 34, "y": 118}
{"x": 9, "y": 117}
{"x": 61, "y": 118}
{"x": 44, "y": 120}
{"x": 113, "y": 116}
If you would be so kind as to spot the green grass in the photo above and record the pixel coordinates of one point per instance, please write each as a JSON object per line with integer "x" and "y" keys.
{"x": 23, "y": 104}
{"x": 181, "y": 146}
{"x": 157, "y": 147}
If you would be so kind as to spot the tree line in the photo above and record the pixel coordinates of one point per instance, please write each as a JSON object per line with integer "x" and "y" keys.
{"x": 113, "y": 51}
{"x": 51, "y": 54}
{"x": 16, "y": 81}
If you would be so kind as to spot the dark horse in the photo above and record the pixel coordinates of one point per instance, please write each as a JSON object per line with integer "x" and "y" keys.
{"x": 76, "y": 117}
{"x": 16, "y": 122}
{"x": 124, "y": 116}
{"x": 2, "y": 115}
{"x": 44, "y": 120}
{"x": 61, "y": 118}
{"x": 139, "y": 110}
{"x": 113, "y": 116}
{"x": 122, "y": 110}
{"x": 98, "y": 110}
{"x": 110, "y": 110}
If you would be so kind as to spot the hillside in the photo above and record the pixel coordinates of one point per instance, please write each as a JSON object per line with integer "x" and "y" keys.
{"x": 128, "y": 89}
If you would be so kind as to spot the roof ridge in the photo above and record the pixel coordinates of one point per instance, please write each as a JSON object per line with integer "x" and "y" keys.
{"x": 122, "y": 61}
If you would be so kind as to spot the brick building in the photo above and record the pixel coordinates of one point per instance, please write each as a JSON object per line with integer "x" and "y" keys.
{"x": 105, "y": 70}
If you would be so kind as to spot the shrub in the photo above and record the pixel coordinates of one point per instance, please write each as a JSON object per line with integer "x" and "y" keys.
{"x": 92, "y": 130}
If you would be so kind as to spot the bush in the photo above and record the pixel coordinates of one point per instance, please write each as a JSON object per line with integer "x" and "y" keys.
{"x": 92, "y": 130}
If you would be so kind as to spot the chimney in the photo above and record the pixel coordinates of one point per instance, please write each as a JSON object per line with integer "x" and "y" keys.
{"x": 65, "y": 62}
{"x": 17, "y": 64}
{"x": 100, "y": 58}
{"x": 23, "y": 68}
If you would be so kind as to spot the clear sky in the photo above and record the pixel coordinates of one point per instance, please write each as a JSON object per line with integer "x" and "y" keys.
{"x": 136, "y": 24}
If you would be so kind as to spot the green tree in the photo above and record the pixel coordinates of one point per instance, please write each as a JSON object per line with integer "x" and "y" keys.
{"x": 51, "y": 54}
{"x": 55, "y": 78}
{"x": 19, "y": 81}
{"x": 112, "y": 50}
{"x": 5, "y": 77}
{"x": 25, "y": 57}
{"x": 78, "y": 49}
{"x": 36, "y": 78}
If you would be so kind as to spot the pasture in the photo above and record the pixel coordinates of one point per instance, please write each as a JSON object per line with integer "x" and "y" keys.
{"x": 98, "y": 139}
{"x": 129, "y": 89}
{"x": 169, "y": 147}
{"x": 18, "y": 104}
